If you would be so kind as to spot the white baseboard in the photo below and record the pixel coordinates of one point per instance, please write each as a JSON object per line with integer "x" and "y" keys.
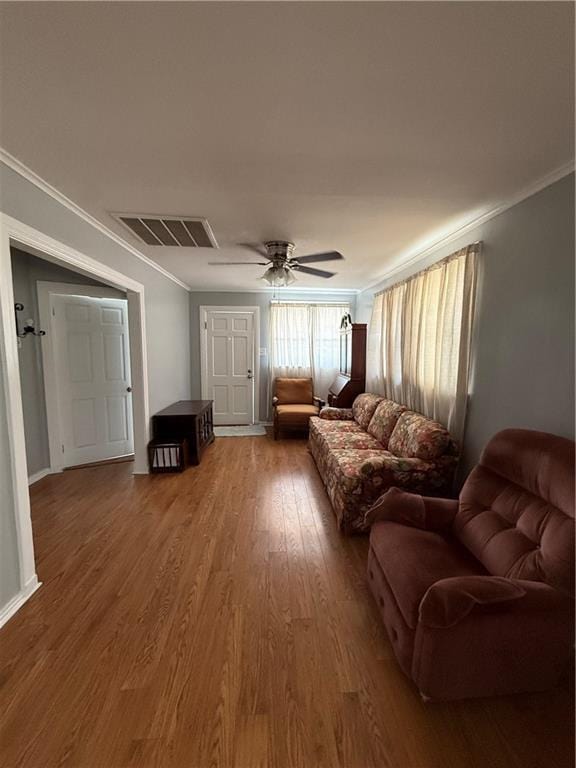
{"x": 13, "y": 605}
{"x": 40, "y": 474}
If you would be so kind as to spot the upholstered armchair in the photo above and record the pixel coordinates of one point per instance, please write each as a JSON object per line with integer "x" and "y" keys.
{"x": 293, "y": 404}
{"x": 477, "y": 594}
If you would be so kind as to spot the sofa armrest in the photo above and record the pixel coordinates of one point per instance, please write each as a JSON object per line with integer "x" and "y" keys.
{"x": 449, "y": 601}
{"x": 411, "y": 509}
{"x": 488, "y": 636}
{"x": 274, "y": 401}
{"x": 319, "y": 401}
{"x": 337, "y": 414}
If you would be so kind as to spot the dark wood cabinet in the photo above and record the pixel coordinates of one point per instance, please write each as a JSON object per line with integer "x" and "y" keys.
{"x": 189, "y": 420}
{"x": 351, "y": 380}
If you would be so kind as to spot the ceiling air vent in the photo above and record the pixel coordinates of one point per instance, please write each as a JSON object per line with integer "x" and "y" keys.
{"x": 177, "y": 231}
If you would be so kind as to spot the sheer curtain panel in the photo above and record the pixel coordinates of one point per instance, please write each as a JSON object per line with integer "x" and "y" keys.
{"x": 419, "y": 340}
{"x": 304, "y": 341}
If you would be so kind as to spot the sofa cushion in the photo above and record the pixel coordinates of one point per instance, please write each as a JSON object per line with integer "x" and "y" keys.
{"x": 327, "y": 427}
{"x": 415, "y": 435}
{"x": 345, "y": 465}
{"x": 363, "y": 408}
{"x": 295, "y": 414}
{"x": 516, "y": 511}
{"x": 293, "y": 390}
{"x": 344, "y": 439}
{"x": 320, "y": 426}
{"x": 413, "y": 560}
{"x": 384, "y": 420}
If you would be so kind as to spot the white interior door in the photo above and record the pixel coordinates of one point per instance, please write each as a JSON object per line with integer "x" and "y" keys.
{"x": 230, "y": 372}
{"x": 92, "y": 358}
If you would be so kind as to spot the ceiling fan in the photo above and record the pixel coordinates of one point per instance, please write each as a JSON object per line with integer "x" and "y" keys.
{"x": 281, "y": 263}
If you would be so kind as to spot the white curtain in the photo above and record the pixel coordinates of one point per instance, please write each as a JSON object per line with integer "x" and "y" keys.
{"x": 305, "y": 341}
{"x": 419, "y": 340}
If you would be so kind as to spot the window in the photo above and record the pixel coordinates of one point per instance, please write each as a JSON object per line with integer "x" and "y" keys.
{"x": 304, "y": 341}
{"x": 419, "y": 340}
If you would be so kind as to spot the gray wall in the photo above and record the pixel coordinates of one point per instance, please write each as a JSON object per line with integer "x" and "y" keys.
{"x": 166, "y": 303}
{"x": 257, "y": 299}
{"x": 523, "y": 347}
{"x": 167, "y": 327}
{"x": 27, "y": 270}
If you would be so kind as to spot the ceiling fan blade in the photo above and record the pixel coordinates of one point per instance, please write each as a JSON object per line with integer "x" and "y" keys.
{"x": 312, "y": 271}
{"x": 234, "y": 263}
{"x": 256, "y": 247}
{"x": 328, "y": 256}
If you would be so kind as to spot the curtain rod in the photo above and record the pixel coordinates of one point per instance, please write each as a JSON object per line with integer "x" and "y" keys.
{"x": 313, "y": 303}
{"x": 471, "y": 248}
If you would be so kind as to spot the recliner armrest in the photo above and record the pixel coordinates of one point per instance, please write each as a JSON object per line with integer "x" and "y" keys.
{"x": 449, "y": 601}
{"x": 274, "y": 401}
{"x": 319, "y": 401}
{"x": 337, "y": 414}
{"x": 425, "y": 512}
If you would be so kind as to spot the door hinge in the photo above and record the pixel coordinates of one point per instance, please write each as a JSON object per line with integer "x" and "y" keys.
{"x": 53, "y": 312}
{"x": 62, "y": 447}
{"x": 205, "y": 325}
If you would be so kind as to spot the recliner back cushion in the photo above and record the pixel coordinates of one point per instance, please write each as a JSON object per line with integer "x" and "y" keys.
{"x": 416, "y": 436}
{"x": 363, "y": 408}
{"x": 516, "y": 512}
{"x": 293, "y": 391}
{"x": 384, "y": 420}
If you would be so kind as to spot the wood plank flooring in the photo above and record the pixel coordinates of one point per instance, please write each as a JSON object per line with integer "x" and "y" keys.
{"x": 218, "y": 619}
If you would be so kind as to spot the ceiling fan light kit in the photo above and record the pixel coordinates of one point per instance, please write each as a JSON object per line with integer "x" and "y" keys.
{"x": 282, "y": 264}
{"x": 278, "y": 277}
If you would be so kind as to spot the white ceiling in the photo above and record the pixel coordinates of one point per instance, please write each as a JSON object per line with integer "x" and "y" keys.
{"x": 362, "y": 127}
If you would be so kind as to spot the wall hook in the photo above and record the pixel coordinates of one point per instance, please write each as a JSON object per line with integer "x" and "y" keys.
{"x": 28, "y": 324}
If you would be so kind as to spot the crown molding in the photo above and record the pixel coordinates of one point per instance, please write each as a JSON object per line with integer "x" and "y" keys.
{"x": 27, "y": 173}
{"x": 283, "y": 291}
{"x": 411, "y": 257}
{"x": 408, "y": 258}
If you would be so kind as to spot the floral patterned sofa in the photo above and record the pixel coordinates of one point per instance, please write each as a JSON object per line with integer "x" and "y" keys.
{"x": 362, "y": 451}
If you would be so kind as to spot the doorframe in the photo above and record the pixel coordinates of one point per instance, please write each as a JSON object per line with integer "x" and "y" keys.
{"x": 14, "y": 233}
{"x": 255, "y": 311}
{"x": 45, "y": 291}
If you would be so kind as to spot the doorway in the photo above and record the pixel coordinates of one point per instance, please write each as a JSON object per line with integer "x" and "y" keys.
{"x": 87, "y": 380}
{"x": 14, "y": 495}
{"x": 229, "y": 363}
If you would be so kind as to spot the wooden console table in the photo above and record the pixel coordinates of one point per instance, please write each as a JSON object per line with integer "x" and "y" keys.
{"x": 189, "y": 420}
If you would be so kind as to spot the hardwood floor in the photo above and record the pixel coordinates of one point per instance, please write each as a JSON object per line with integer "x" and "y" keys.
{"x": 217, "y": 618}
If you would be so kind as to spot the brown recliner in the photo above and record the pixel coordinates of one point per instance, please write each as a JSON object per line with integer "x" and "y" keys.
{"x": 477, "y": 594}
{"x": 293, "y": 404}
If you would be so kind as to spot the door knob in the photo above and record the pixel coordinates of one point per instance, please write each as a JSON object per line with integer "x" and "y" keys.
{"x": 128, "y": 389}
{"x": 249, "y": 376}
